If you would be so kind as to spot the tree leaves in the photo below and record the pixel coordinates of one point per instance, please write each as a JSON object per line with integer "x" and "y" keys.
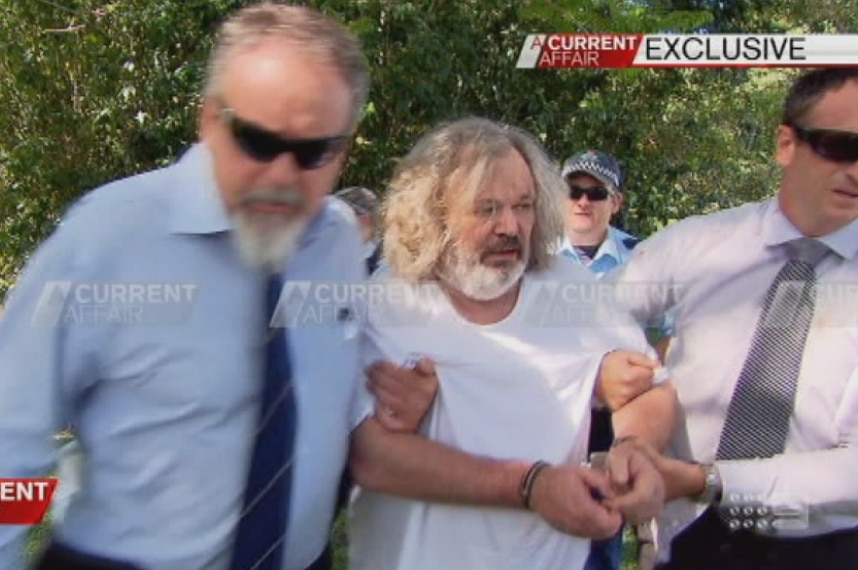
{"x": 97, "y": 90}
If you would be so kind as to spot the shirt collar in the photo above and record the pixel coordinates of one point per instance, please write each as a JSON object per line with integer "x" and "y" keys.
{"x": 565, "y": 245}
{"x": 777, "y": 229}
{"x": 326, "y": 218}
{"x": 195, "y": 203}
{"x": 608, "y": 247}
{"x": 197, "y": 208}
{"x": 368, "y": 248}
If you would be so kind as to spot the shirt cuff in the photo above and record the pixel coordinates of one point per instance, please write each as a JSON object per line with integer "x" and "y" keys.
{"x": 749, "y": 481}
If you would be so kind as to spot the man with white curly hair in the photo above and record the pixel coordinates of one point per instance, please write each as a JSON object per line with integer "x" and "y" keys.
{"x": 496, "y": 477}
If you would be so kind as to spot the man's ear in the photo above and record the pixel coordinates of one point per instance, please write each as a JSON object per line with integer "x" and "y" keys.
{"x": 209, "y": 116}
{"x": 785, "y": 143}
{"x": 617, "y": 200}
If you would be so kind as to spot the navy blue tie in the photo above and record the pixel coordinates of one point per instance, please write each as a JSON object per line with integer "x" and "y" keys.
{"x": 261, "y": 534}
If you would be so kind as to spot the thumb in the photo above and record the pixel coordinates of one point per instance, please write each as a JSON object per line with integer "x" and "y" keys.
{"x": 619, "y": 471}
{"x": 597, "y": 482}
{"x": 425, "y": 366}
{"x": 641, "y": 359}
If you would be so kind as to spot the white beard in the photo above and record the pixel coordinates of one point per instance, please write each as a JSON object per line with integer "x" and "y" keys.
{"x": 477, "y": 281}
{"x": 267, "y": 242}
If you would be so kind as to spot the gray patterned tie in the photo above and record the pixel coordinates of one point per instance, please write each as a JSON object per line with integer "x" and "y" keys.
{"x": 762, "y": 405}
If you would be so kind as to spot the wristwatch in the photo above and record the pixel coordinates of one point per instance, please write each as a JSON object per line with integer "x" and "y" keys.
{"x": 714, "y": 488}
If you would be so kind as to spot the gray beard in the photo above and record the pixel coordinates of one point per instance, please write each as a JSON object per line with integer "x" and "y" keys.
{"x": 477, "y": 281}
{"x": 266, "y": 244}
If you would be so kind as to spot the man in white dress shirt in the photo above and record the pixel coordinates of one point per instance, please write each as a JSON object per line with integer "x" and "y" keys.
{"x": 768, "y": 452}
{"x": 495, "y": 477}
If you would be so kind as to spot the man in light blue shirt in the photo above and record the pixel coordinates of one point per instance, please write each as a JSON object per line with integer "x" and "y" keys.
{"x": 140, "y": 320}
{"x": 595, "y": 182}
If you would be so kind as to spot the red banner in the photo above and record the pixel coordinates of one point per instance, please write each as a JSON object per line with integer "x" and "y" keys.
{"x": 25, "y": 501}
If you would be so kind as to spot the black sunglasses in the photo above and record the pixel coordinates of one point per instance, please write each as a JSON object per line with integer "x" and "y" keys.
{"x": 264, "y": 146}
{"x": 594, "y": 193}
{"x": 837, "y": 146}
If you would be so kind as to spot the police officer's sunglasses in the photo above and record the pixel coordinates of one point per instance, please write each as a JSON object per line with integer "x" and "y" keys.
{"x": 593, "y": 193}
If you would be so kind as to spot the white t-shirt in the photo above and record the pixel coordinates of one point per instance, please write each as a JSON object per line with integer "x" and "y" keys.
{"x": 517, "y": 389}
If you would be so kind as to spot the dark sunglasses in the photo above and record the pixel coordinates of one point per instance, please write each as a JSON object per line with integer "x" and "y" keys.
{"x": 264, "y": 146}
{"x": 837, "y": 146}
{"x": 594, "y": 194}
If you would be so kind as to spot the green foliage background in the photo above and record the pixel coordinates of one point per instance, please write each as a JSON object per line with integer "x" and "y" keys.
{"x": 93, "y": 90}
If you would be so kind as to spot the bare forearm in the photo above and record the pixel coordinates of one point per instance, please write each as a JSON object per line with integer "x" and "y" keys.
{"x": 650, "y": 416}
{"x": 415, "y": 467}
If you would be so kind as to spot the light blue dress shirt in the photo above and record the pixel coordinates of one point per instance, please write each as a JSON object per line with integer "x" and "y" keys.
{"x": 612, "y": 253}
{"x": 165, "y": 407}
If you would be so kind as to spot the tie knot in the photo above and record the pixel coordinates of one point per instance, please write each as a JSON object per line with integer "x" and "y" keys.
{"x": 808, "y": 250}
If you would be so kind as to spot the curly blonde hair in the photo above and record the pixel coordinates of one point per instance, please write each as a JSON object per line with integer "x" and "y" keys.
{"x": 448, "y": 163}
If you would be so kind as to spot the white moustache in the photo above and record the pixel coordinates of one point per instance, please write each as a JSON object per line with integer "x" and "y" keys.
{"x": 288, "y": 197}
